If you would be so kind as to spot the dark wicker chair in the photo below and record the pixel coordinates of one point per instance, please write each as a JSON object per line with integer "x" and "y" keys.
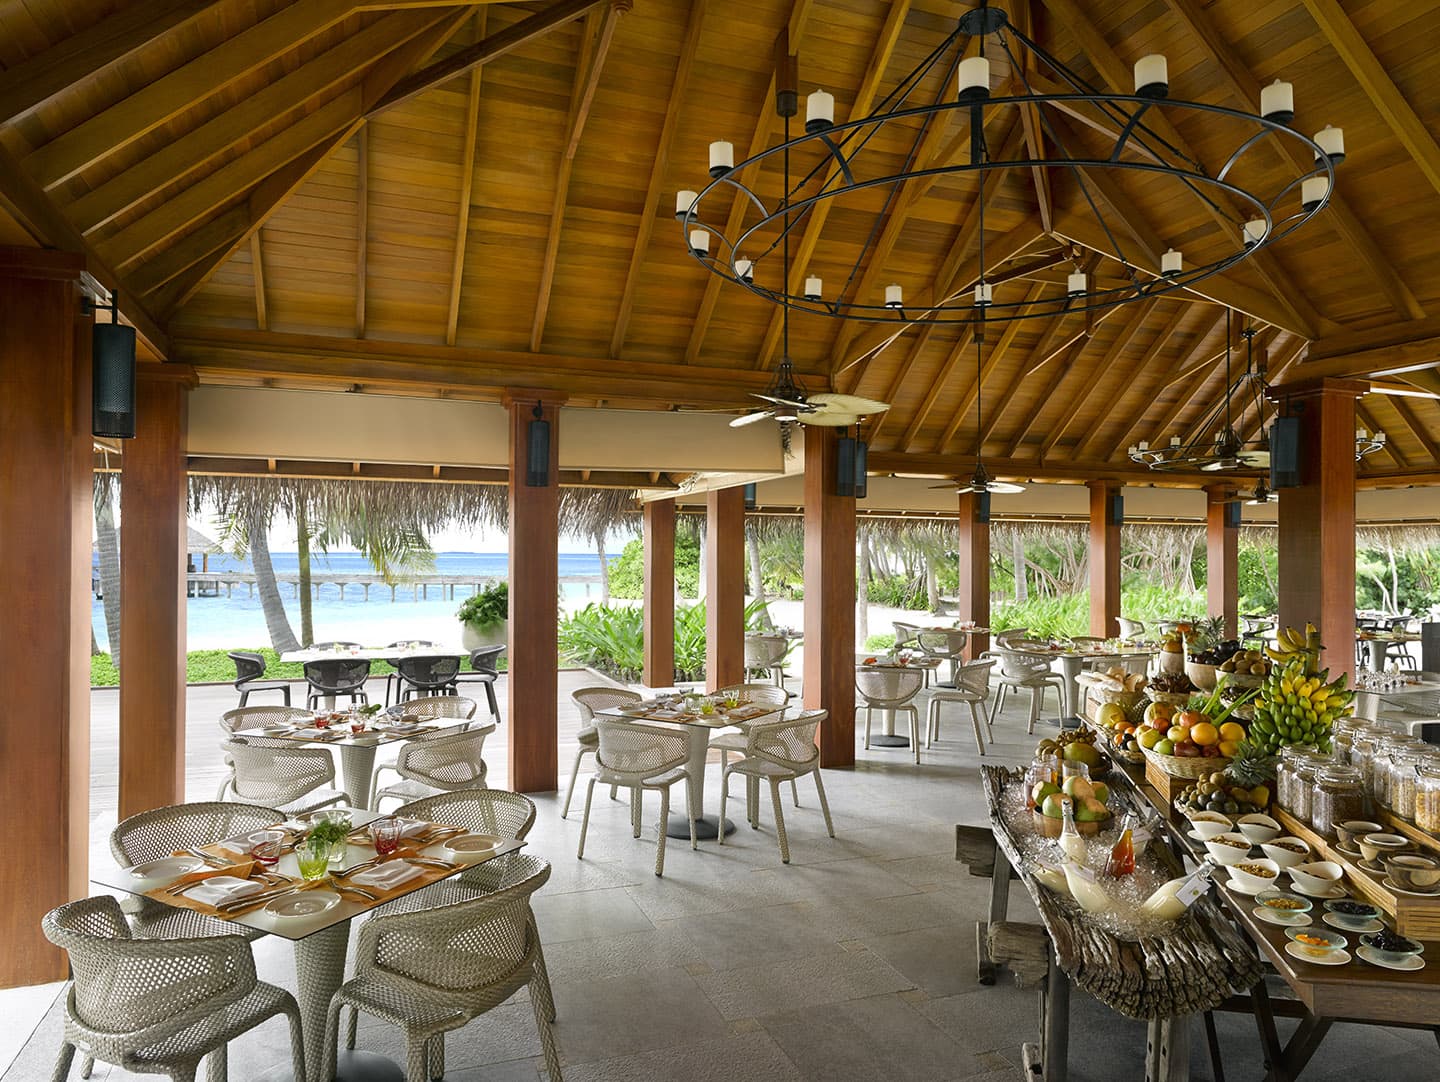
{"x": 394, "y": 682}
{"x": 249, "y": 667}
{"x": 431, "y": 675}
{"x": 484, "y": 669}
{"x": 335, "y": 677}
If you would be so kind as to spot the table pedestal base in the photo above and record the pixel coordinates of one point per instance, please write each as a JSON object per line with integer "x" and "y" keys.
{"x": 677, "y": 826}
{"x": 349, "y": 1067}
{"x": 883, "y": 741}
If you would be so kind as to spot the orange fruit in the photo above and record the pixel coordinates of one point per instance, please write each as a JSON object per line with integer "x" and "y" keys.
{"x": 1228, "y": 748}
{"x": 1232, "y": 731}
{"x": 1204, "y": 734}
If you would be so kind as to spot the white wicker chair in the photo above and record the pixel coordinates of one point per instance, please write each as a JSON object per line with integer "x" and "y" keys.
{"x": 891, "y": 688}
{"x": 639, "y": 757}
{"x": 778, "y": 751}
{"x": 240, "y": 720}
{"x": 289, "y": 779}
{"x": 908, "y": 635}
{"x": 159, "y": 1006}
{"x": 736, "y": 741}
{"x": 445, "y": 763}
{"x": 972, "y": 687}
{"x": 587, "y": 701}
{"x": 434, "y": 970}
{"x": 766, "y": 654}
{"x": 1010, "y": 634}
{"x": 947, "y": 644}
{"x": 436, "y": 706}
{"x": 1021, "y": 672}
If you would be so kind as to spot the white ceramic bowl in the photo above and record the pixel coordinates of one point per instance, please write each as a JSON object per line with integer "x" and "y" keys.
{"x": 1207, "y": 824}
{"x": 1377, "y": 846}
{"x": 1229, "y": 848}
{"x": 1256, "y": 883}
{"x": 1316, "y": 876}
{"x": 1258, "y": 828}
{"x": 1287, "y": 858}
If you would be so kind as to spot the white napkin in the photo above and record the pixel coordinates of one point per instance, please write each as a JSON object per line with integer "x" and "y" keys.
{"x": 667, "y": 715}
{"x": 318, "y": 734}
{"x": 389, "y": 875}
{"x": 411, "y": 827}
{"x": 241, "y": 843}
{"x": 219, "y": 889}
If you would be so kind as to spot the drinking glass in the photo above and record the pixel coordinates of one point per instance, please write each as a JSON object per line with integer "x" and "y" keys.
{"x": 357, "y": 723}
{"x": 334, "y": 815}
{"x": 267, "y": 845}
{"x": 385, "y": 834}
{"x": 1073, "y": 769}
{"x": 313, "y": 856}
{"x": 707, "y": 706}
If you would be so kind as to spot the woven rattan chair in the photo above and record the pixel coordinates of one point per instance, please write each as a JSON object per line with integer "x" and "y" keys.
{"x": 436, "y": 706}
{"x": 394, "y": 682}
{"x": 972, "y": 687}
{"x": 159, "y": 1006}
{"x": 766, "y": 654}
{"x": 587, "y": 701}
{"x": 426, "y": 675}
{"x": 947, "y": 644}
{"x": 335, "y": 677}
{"x": 640, "y": 757}
{"x": 1022, "y": 672}
{"x": 736, "y": 741}
{"x": 891, "y": 688}
{"x": 907, "y": 636}
{"x": 1010, "y": 634}
{"x": 484, "y": 670}
{"x": 289, "y": 779}
{"x": 433, "y": 970}
{"x": 249, "y": 668}
{"x": 778, "y": 751}
{"x": 445, "y": 763}
{"x": 239, "y": 722}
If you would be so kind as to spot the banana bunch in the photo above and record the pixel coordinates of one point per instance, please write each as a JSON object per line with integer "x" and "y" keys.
{"x": 1298, "y": 706}
{"x": 1295, "y": 645}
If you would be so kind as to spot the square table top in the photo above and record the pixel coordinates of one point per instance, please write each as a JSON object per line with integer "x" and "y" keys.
{"x": 719, "y": 720}
{"x": 370, "y": 738}
{"x": 372, "y": 653}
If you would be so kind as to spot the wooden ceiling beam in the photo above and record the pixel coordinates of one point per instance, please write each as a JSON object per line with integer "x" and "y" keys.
{"x": 958, "y": 350}
{"x": 1030, "y": 120}
{"x": 172, "y": 262}
{"x": 467, "y": 189}
{"x": 1184, "y": 401}
{"x": 1262, "y": 359}
{"x": 1134, "y": 372}
{"x": 991, "y": 358}
{"x": 1417, "y": 429}
{"x": 362, "y": 226}
{"x": 591, "y": 62}
{"x": 1096, "y": 377}
{"x": 1071, "y": 352}
{"x": 257, "y": 275}
{"x": 1389, "y": 349}
{"x": 1246, "y": 89}
{"x": 1390, "y": 451}
{"x": 1029, "y": 470}
{"x": 1380, "y": 89}
{"x": 1053, "y": 330}
{"x": 679, "y": 85}
{"x": 1153, "y": 373}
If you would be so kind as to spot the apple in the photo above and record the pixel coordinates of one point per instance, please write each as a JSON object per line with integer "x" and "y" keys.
{"x": 1102, "y": 791}
{"x": 1165, "y": 746}
{"x": 1042, "y": 790}
{"x": 1188, "y": 751}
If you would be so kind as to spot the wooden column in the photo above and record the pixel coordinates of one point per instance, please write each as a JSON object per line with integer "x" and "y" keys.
{"x": 1104, "y": 560}
{"x": 1317, "y": 520}
{"x": 45, "y": 512}
{"x": 724, "y": 587}
{"x": 534, "y": 586}
{"x": 829, "y": 599}
{"x": 152, "y": 584}
{"x": 659, "y": 617}
{"x": 1222, "y": 558}
{"x": 974, "y": 589}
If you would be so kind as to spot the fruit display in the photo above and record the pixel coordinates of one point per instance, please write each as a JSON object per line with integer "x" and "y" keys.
{"x": 1296, "y": 704}
{"x": 1294, "y": 645}
{"x": 1077, "y": 746}
{"x": 1170, "y": 683}
{"x": 1246, "y": 663}
{"x": 1086, "y": 799}
{"x": 1240, "y": 789}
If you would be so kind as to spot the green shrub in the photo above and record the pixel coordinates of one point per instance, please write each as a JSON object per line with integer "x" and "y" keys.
{"x": 627, "y": 571}
{"x": 612, "y": 639}
{"x": 487, "y": 608}
{"x": 880, "y": 643}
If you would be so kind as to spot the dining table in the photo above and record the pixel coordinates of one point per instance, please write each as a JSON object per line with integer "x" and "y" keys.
{"x": 1377, "y": 644}
{"x": 888, "y": 737}
{"x": 321, "y": 936}
{"x": 697, "y": 728}
{"x": 1070, "y": 660}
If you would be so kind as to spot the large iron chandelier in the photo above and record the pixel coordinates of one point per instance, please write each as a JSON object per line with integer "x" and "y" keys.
{"x": 741, "y": 248}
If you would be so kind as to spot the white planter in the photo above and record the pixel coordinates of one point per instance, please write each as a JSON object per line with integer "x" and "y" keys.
{"x": 494, "y": 635}
{"x": 1171, "y": 661}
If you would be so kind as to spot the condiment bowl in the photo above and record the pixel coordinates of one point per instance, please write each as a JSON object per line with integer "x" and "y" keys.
{"x": 1317, "y": 876}
{"x": 1258, "y": 828}
{"x": 1287, "y": 852}
{"x": 1413, "y": 871}
{"x": 1249, "y": 874}
{"x": 1288, "y": 903}
{"x": 1229, "y": 848}
{"x": 1352, "y": 830}
{"x": 1207, "y": 824}
{"x": 1359, "y": 917}
{"x": 1317, "y": 939}
{"x": 1397, "y": 948}
{"x": 1375, "y": 846}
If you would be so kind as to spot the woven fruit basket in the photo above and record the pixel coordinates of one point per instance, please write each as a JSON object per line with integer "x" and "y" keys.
{"x": 1132, "y": 702}
{"x": 1178, "y": 766}
{"x": 1170, "y": 698}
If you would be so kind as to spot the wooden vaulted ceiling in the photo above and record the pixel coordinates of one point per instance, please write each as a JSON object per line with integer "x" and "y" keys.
{"x": 456, "y": 198}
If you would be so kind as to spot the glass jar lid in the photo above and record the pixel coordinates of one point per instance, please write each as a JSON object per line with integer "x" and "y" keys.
{"x": 1338, "y": 774}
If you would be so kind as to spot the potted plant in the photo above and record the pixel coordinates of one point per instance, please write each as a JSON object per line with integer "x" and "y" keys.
{"x": 484, "y": 616}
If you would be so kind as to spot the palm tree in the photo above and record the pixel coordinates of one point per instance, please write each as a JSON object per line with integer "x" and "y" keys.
{"x": 107, "y": 540}
{"x": 246, "y": 529}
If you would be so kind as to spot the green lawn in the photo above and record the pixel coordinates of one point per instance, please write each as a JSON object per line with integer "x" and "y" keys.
{"x": 213, "y": 666}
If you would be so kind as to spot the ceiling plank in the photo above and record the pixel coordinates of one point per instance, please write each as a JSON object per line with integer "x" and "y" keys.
{"x": 1096, "y": 377}
{"x": 941, "y": 382}
{"x": 1183, "y": 401}
{"x": 1380, "y": 89}
{"x": 996, "y": 354}
{"x": 362, "y": 225}
{"x": 679, "y": 84}
{"x": 257, "y": 274}
{"x": 591, "y": 62}
{"x": 1129, "y": 374}
{"x": 1415, "y": 425}
{"x": 1030, "y": 119}
{"x": 1052, "y": 331}
{"x": 1152, "y": 373}
{"x": 1246, "y": 88}
{"x": 1230, "y": 374}
{"x": 174, "y": 261}
{"x": 1071, "y": 349}
{"x": 467, "y": 189}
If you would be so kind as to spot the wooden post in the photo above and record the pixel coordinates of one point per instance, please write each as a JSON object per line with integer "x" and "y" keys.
{"x": 974, "y": 591}
{"x": 1104, "y": 560}
{"x": 659, "y": 617}
{"x": 45, "y": 514}
{"x": 1317, "y": 520}
{"x": 534, "y": 585}
{"x": 1222, "y": 558}
{"x": 829, "y": 599}
{"x": 152, "y": 583}
{"x": 724, "y": 587}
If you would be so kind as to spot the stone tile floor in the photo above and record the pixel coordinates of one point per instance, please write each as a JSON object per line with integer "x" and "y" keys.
{"x": 854, "y": 962}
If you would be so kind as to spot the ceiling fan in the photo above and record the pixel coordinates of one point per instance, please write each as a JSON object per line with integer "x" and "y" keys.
{"x": 981, "y": 481}
{"x": 789, "y": 402}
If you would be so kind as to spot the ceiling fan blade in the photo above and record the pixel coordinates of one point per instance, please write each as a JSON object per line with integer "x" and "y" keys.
{"x": 828, "y": 419}
{"x": 848, "y": 403}
{"x": 779, "y": 401}
{"x": 955, "y": 485}
{"x": 751, "y": 418}
{"x": 1258, "y": 459}
{"x": 1003, "y": 488}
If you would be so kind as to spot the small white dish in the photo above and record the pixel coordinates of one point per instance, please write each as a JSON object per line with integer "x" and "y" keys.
{"x": 308, "y": 903}
{"x": 1390, "y": 884}
{"x": 1374, "y": 867}
{"x": 1287, "y": 858}
{"x": 167, "y": 868}
{"x": 1317, "y": 875}
{"x": 1351, "y": 851}
{"x": 1319, "y": 957}
{"x": 1280, "y": 917}
{"x": 1208, "y": 824}
{"x": 1340, "y": 922}
{"x": 1255, "y": 882}
{"x": 1375, "y": 958}
{"x": 466, "y": 847}
{"x": 1259, "y": 828}
{"x": 1324, "y": 894}
{"x": 1229, "y": 848}
{"x": 1241, "y": 887}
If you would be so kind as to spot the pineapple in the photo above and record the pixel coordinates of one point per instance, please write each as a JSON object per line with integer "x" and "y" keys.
{"x": 1252, "y": 769}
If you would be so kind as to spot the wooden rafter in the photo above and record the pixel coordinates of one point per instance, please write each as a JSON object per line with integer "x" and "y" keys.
{"x": 171, "y": 263}
{"x": 958, "y": 350}
{"x": 1262, "y": 357}
{"x": 1415, "y": 425}
{"x": 1183, "y": 401}
{"x": 593, "y": 51}
{"x": 1068, "y": 352}
{"x": 1390, "y": 451}
{"x": 1095, "y": 375}
{"x": 1246, "y": 89}
{"x": 1034, "y": 136}
{"x": 991, "y": 358}
{"x": 257, "y": 275}
{"x": 679, "y": 84}
{"x": 1293, "y": 350}
{"x": 1053, "y": 330}
{"x": 362, "y": 226}
{"x": 467, "y": 188}
{"x": 1131, "y": 376}
{"x": 1206, "y": 329}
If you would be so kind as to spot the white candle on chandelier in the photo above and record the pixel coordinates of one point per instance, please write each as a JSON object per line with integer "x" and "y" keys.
{"x": 1174, "y": 441}
{"x": 1332, "y": 141}
{"x": 1254, "y": 231}
{"x": 684, "y": 200}
{"x": 813, "y": 289}
{"x": 745, "y": 270}
{"x": 1171, "y": 262}
{"x": 722, "y": 158}
{"x": 984, "y": 294}
{"x": 974, "y": 78}
{"x": 1152, "y": 76}
{"x": 700, "y": 242}
{"x": 894, "y": 296}
{"x": 1076, "y": 284}
{"x": 1277, "y": 102}
{"x": 819, "y": 111}
{"x": 1359, "y": 435}
{"x": 1313, "y": 192}
{"x": 1144, "y": 445}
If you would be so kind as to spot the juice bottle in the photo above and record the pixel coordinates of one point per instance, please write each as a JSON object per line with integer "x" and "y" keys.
{"x": 1071, "y": 844}
{"x": 1122, "y": 855}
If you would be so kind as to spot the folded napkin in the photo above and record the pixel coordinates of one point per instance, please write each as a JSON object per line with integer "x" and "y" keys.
{"x": 318, "y": 734}
{"x": 242, "y": 843}
{"x": 219, "y": 889}
{"x": 389, "y": 875}
{"x": 666, "y": 715}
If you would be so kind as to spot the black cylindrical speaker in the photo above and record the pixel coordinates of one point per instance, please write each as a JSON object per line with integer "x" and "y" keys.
{"x": 1285, "y": 452}
{"x": 112, "y": 355}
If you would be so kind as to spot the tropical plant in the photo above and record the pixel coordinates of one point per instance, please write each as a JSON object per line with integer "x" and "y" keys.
{"x": 612, "y": 639}
{"x": 486, "y": 608}
{"x": 627, "y": 571}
